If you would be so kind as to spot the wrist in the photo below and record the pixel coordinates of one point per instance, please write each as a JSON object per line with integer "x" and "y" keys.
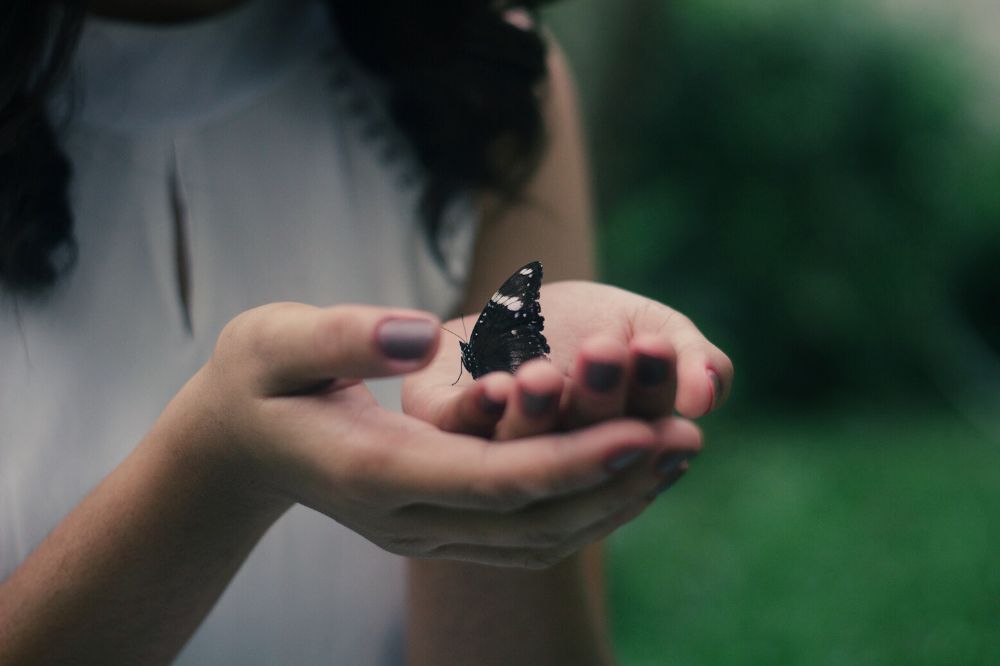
{"x": 195, "y": 435}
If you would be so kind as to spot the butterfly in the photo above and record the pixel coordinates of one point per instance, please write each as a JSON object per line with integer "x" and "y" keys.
{"x": 509, "y": 329}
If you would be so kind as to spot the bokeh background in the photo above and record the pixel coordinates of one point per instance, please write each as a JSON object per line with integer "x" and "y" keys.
{"x": 817, "y": 184}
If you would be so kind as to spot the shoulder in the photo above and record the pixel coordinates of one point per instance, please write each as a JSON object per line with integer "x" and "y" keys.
{"x": 561, "y": 105}
{"x": 562, "y": 90}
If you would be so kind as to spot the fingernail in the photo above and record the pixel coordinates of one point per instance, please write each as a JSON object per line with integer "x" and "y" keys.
{"x": 651, "y": 370}
{"x": 490, "y": 406}
{"x": 665, "y": 485}
{"x": 602, "y": 377}
{"x": 623, "y": 459}
{"x": 715, "y": 386}
{"x": 670, "y": 461}
{"x": 537, "y": 405}
{"x": 406, "y": 339}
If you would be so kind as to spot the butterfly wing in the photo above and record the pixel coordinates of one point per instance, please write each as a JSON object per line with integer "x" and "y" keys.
{"x": 509, "y": 329}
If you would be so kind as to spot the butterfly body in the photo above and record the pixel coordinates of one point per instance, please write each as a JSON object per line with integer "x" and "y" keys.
{"x": 508, "y": 332}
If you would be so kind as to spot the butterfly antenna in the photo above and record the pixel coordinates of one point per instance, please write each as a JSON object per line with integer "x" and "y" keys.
{"x": 453, "y": 333}
{"x": 460, "y": 365}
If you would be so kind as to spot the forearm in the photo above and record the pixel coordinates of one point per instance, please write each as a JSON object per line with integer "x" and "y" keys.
{"x": 131, "y": 572}
{"x": 473, "y": 614}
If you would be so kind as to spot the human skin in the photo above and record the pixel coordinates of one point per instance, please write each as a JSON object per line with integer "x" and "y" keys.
{"x": 276, "y": 417}
{"x": 556, "y": 615}
{"x": 139, "y": 563}
{"x": 462, "y": 612}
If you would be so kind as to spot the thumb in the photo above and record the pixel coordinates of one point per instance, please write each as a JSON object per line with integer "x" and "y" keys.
{"x": 304, "y": 345}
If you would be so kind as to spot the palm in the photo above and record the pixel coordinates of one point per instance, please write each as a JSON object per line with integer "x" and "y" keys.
{"x": 585, "y": 323}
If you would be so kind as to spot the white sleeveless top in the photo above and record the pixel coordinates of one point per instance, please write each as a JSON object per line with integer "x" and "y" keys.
{"x": 261, "y": 136}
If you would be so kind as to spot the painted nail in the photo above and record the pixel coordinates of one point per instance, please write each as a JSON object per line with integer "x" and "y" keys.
{"x": 665, "y": 485}
{"x": 650, "y": 370}
{"x": 715, "y": 385}
{"x": 602, "y": 377}
{"x": 490, "y": 406}
{"x": 537, "y": 405}
{"x": 406, "y": 339}
{"x": 623, "y": 460}
{"x": 670, "y": 461}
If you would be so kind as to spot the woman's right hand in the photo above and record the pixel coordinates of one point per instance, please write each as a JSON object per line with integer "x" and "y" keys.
{"x": 290, "y": 421}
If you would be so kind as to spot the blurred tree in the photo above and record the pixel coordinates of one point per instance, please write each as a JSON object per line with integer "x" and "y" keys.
{"x": 805, "y": 181}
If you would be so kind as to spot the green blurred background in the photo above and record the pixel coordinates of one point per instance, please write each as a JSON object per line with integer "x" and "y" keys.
{"x": 817, "y": 184}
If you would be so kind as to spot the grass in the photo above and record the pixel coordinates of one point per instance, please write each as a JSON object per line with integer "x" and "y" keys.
{"x": 873, "y": 541}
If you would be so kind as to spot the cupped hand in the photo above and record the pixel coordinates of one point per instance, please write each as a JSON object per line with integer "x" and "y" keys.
{"x": 614, "y": 354}
{"x": 283, "y": 409}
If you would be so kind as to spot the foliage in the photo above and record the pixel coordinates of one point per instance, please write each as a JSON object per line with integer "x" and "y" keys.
{"x": 823, "y": 541}
{"x": 805, "y": 182}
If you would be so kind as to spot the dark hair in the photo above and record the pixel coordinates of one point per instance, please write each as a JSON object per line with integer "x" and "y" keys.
{"x": 462, "y": 82}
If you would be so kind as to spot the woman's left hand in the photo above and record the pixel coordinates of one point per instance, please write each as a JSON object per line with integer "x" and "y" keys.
{"x": 614, "y": 354}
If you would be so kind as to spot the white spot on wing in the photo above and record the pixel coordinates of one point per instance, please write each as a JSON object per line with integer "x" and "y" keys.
{"x": 514, "y": 304}
{"x": 526, "y": 271}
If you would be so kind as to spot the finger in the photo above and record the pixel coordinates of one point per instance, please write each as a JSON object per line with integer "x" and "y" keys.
{"x": 602, "y": 529}
{"x": 704, "y": 378}
{"x": 534, "y": 408}
{"x": 669, "y": 479}
{"x": 704, "y": 372}
{"x": 653, "y": 381}
{"x": 299, "y": 344}
{"x": 465, "y": 472}
{"x": 471, "y": 410}
{"x": 598, "y": 389}
{"x": 564, "y": 521}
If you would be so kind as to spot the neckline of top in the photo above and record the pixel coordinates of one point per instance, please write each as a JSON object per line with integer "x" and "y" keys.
{"x": 138, "y": 77}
